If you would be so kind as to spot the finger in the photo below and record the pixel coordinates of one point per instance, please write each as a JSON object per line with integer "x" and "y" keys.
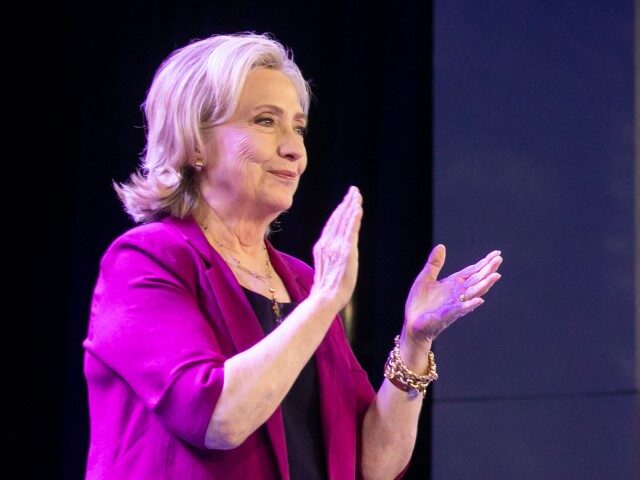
{"x": 478, "y": 265}
{"x": 471, "y": 269}
{"x": 481, "y": 287}
{"x": 353, "y": 227}
{"x": 338, "y": 213}
{"x": 461, "y": 309}
{"x": 329, "y": 229}
{"x": 470, "y": 305}
{"x": 352, "y": 205}
{"x": 435, "y": 262}
{"x": 484, "y": 272}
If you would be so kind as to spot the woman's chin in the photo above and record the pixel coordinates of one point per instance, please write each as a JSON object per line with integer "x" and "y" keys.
{"x": 277, "y": 205}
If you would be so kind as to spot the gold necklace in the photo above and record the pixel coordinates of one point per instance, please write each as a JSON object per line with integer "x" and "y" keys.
{"x": 275, "y": 306}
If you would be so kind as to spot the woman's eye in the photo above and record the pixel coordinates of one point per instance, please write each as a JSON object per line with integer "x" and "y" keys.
{"x": 301, "y": 130}
{"x": 266, "y": 121}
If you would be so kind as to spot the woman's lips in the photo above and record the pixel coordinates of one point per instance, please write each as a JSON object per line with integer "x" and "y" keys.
{"x": 285, "y": 174}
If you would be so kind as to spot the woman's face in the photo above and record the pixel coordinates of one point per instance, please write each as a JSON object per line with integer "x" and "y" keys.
{"x": 256, "y": 157}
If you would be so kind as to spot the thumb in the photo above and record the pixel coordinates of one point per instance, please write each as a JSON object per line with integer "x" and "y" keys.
{"x": 435, "y": 262}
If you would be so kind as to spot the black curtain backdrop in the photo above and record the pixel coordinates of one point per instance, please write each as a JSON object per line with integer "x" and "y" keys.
{"x": 370, "y": 126}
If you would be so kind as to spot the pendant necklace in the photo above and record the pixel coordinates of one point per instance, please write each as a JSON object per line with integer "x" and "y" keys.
{"x": 275, "y": 305}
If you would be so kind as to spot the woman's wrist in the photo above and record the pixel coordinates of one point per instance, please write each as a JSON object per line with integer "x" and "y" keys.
{"x": 329, "y": 299}
{"x": 415, "y": 354}
{"x": 404, "y": 377}
{"x": 322, "y": 304}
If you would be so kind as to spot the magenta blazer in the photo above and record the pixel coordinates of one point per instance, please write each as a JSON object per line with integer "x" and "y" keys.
{"x": 166, "y": 313}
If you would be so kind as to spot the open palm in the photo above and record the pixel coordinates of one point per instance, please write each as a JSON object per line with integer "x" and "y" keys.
{"x": 432, "y": 305}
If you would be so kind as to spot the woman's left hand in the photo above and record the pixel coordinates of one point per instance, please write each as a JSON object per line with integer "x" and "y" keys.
{"x": 433, "y": 305}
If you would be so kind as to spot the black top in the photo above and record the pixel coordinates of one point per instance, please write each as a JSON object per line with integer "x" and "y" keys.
{"x": 300, "y": 407}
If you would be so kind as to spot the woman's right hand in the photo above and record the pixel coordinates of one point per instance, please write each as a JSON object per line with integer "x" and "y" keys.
{"x": 336, "y": 252}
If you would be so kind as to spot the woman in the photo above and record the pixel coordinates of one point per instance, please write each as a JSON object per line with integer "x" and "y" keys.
{"x": 209, "y": 353}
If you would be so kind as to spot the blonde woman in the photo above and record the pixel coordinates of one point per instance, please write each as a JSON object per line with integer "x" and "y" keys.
{"x": 210, "y": 354}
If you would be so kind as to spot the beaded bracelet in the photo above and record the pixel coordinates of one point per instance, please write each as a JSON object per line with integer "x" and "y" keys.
{"x": 399, "y": 375}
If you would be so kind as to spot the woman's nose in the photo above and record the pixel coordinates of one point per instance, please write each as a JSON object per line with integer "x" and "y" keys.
{"x": 291, "y": 146}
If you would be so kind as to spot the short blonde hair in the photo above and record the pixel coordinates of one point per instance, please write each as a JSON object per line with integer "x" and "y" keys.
{"x": 197, "y": 87}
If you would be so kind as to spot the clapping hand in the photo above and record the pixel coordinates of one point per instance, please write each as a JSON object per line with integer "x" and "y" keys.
{"x": 432, "y": 305}
{"x": 336, "y": 252}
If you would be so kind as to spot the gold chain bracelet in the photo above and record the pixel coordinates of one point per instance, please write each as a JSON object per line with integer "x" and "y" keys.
{"x": 403, "y": 378}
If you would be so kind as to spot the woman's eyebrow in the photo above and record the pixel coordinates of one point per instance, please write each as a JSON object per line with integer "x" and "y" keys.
{"x": 280, "y": 111}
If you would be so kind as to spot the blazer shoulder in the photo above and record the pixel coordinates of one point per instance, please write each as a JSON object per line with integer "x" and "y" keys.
{"x": 151, "y": 236}
{"x": 159, "y": 241}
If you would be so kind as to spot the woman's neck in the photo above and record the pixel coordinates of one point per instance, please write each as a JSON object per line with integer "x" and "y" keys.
{"x": 242, "y": 234}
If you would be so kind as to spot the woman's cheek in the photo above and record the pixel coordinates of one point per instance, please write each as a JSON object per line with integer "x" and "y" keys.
{"x": 253, "y": 146}
{"x": 240, "y": 143}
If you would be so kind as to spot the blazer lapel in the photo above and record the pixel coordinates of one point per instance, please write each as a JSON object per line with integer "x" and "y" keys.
{"x": 239, "y": 318}
{"x": 245, "y": 331}
{"x": 336, "y": 393}
{"x": 334, "y": 383}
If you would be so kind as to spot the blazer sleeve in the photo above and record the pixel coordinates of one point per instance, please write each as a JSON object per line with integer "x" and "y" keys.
{"x": 365, "y": 395}
{"x": 362, "y": 388}
{"x": 147, "y": 327}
